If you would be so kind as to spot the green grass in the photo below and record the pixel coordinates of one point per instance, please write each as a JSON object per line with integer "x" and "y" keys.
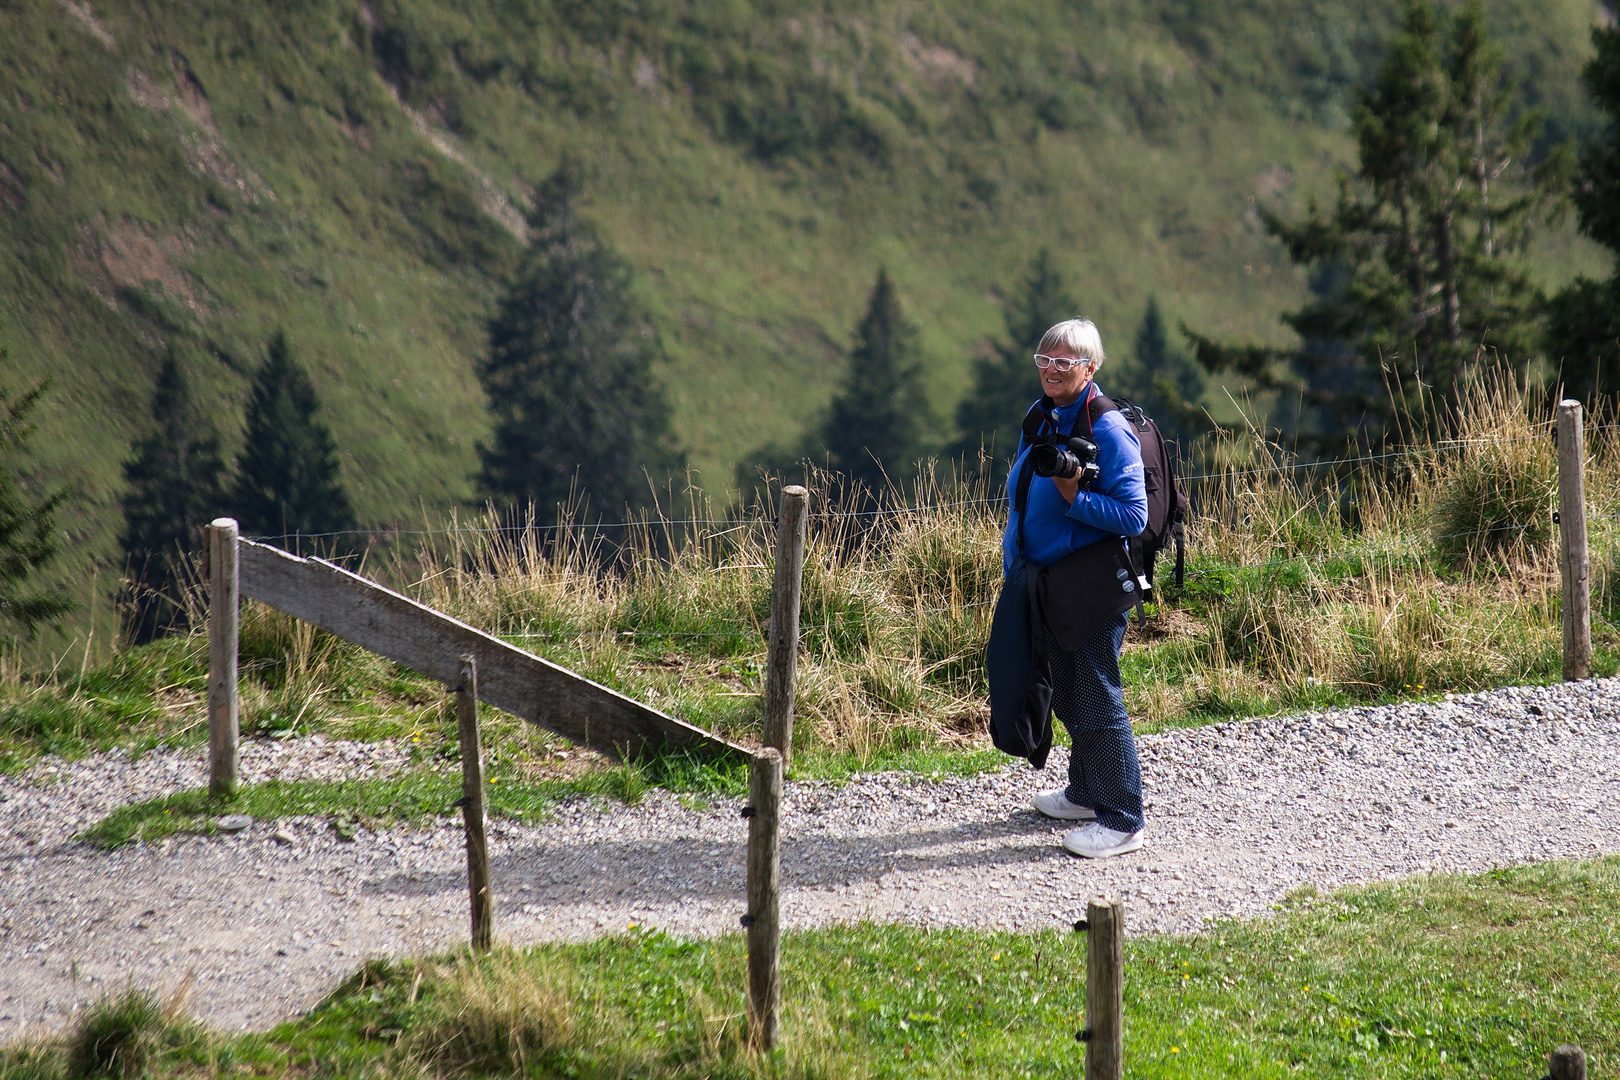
{"x": 421, "y": 793}
{"x": 294, "y": 683}
{"x": 1444, "y": 976}
{"x": 1285, "y": 606}
{"x": 410, "y": 797}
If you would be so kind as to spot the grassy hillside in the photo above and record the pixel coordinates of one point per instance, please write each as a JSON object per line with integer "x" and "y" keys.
{"x": 195, "y": 176}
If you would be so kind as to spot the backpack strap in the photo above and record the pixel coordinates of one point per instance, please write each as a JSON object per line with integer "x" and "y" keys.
{"x": 1138, "y": 418}
{"x": 1038, "y": 419}
{"x": 1096, "y": 405}
{"x": 1179, "y": 531}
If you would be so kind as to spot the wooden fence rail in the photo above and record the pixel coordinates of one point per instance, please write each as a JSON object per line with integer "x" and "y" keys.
{"x": 430, "y": 642}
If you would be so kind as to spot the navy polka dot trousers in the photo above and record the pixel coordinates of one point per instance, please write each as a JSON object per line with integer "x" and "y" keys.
{"x": 1087, "y": 695}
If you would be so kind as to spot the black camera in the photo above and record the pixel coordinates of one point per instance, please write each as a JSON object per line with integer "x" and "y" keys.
{"x": 1074, "y": 456}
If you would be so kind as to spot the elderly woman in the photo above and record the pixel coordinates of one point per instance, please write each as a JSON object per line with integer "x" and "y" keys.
{"x": 1054, "y": 519}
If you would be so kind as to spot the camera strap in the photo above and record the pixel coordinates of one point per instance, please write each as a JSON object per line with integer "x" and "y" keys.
{"x": 1038, "y": 422}
{"x": 1040, "y": 426}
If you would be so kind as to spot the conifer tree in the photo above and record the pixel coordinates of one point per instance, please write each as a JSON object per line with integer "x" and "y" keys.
{"x": 288, "y": 481}
{"x": 571, "y": 372}
{"x": 1162, "y": 379}
{"x": 28, "y": 539}
{"x": 873, "y": 428}
{"x": 1429, "y": 234}
{"x": 175, "y": 488}
{"x": 1004, "y": 383}
{"x": 1583, "y": 332}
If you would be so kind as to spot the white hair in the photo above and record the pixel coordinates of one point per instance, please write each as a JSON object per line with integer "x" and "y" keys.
{"x": 1078, "y": 336}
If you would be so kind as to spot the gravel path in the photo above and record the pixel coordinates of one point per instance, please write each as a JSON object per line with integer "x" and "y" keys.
{"x": 1239, "y": 814}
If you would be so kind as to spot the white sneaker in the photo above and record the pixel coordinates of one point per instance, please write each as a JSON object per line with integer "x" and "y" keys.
{"x": 1056, "y": 804}
{"x": 1098, "y": 841}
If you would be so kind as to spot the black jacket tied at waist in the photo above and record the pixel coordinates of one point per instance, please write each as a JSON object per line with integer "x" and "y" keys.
{"x": 1073, "y": 599}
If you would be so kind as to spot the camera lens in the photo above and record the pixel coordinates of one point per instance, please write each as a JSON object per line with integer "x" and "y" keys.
{"x": 1054, "y": 461}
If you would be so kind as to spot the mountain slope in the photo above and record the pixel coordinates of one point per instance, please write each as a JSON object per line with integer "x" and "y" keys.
{"x": 195, "y": 176}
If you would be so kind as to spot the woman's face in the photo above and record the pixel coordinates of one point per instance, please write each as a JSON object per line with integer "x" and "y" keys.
{"x": 1064, "y": 387}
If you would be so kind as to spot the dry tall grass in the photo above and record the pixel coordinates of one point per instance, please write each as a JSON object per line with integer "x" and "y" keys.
{"x": 896, "y": 607}
{"x": 1430, "y": 569}
{"x": 495, "y": 1014}
{"x": 1433, "y": 569}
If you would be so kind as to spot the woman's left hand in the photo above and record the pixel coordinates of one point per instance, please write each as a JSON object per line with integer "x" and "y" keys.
{"x": 1067, "y": 488}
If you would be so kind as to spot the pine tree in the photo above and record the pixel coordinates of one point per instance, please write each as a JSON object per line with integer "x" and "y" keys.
{"x": 27, "y": 527}
{"x": 1583, "y": 331}
{"x": 570, "y": 373}
{"x": 288, "y": 481}
{"x": 174, "y": 489}
{"x": 1005, "y": 383}
{"x": 1428, "y": 234}
{"x": 1162, "y": 379}
{"x": 873, "y": 428}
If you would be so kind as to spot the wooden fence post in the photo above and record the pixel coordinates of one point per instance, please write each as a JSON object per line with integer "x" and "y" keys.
{"x": 1104, "y": 1033}
{"x": 782, "y": 664}
{"x": 224, "y": 620}
{"x": 472, "y": 806}
{"x": 1567, "y": 1063}
{"x": 764, "y": 897}
{"x": 1576, "y": 570}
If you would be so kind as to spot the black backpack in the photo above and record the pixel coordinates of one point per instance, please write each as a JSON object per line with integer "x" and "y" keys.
{"x": 1167, "y": 503}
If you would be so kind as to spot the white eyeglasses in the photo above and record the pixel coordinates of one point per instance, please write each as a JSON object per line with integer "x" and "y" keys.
{"x": 1062, "y": 363}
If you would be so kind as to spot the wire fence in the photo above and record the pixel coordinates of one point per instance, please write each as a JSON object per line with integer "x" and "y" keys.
{"x": 630, "y": 523}
{"x": 746, "y": 631}
{"x": 1000, "y": 499}
{"x": 1201, "y": 569}
{"x": 1388, "y": 547}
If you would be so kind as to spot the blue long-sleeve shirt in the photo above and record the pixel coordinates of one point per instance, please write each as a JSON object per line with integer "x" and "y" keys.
{"x": 1114, "y": 506}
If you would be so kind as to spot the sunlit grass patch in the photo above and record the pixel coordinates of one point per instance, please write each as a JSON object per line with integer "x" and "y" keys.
{"x": 1435, "y": 976}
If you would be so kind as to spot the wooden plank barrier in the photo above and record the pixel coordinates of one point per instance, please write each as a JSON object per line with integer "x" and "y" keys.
{"x": 427, "y": 641}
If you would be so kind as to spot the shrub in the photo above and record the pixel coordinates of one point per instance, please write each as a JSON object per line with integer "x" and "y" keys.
{"x": 123, "y": 1035}
{"x": 1275, "y": 629}
{"x": 1493, "y": 488}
